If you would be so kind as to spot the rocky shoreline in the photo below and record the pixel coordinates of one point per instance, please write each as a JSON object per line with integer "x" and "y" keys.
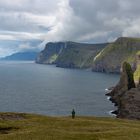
{"x": 125, "y": 95}
{"x": 106, "y": 57}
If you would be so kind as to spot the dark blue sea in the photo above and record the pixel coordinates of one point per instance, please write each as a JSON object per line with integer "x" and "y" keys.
{"x": 46, "y": 89}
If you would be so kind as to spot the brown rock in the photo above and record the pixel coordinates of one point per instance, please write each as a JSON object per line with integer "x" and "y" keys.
{"x": 129, "y": 106}
{"x": 126, "y": 83}
{"x": 126, "y": 96}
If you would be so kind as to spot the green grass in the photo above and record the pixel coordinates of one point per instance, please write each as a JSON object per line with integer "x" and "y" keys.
{"x": 137, "y": 74}
{"x": 126, "y": 50}
{"x": 53, "y": 58}
{"x": 132, "y": 39}
{"x": 81, "y": 57}
{"x": 138, "y": 53}
{"x": 123, "y": 53}
{"x": 36, "y": 127}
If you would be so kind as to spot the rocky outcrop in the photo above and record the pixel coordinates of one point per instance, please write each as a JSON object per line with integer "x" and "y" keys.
{"x": 70, "y": 54}
{"x": 125, "y": 95}
{"x": 126, "y": 82}
{"x": 110, "y": 58}
{"x": 129, "y": 106}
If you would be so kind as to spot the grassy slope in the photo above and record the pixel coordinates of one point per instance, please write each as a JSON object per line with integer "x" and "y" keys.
{"x": 81, "y": 55}
{"x": 64, "y": 54}
{"x": 117, "y": 51}
{"x": 36, "y": 127}
{"x": 124, "y": 49}
{"x": 137, "y": 72}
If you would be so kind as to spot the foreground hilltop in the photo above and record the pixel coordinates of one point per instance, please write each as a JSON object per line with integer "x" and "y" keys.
{"x": 70, "y": 54}
{"x": 17, "y": 126}
{"x": 105, "y": 57}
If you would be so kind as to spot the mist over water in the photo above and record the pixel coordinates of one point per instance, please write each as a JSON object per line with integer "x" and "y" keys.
{"x": 45, "y": 89}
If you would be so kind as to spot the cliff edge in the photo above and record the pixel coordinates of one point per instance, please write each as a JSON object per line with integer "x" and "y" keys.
{"x": 111, "y": 57}
{"x": 69, "y": 54}
{"x": 126, "y": 95}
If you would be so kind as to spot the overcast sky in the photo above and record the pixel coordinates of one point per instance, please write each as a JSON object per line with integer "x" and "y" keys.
{"x": 23, "y": 22}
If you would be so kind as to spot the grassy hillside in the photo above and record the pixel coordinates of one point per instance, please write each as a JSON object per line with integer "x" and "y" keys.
{"x": 137, "y": 72}
{"x": 110, "y": 59}
{"x": 35, "y": 127}
{"x": 70, "y": 54}
{"x": 79, "y": 56}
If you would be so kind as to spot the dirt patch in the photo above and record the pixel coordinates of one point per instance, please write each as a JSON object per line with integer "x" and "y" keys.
{"x": 12, "y": 116}
{"x": 7, "y": 130}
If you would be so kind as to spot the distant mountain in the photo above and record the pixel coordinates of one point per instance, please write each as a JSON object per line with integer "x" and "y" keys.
{"x": 21, "y": 56}
{"x": 69, "y": 54}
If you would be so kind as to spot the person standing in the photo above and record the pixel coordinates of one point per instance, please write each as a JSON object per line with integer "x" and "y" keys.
{"x": 73, "y": 114}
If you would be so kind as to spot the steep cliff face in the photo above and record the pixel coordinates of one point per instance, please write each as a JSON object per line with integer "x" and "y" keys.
{"x": 111, "y": 57}
{"x": 79, "y": 55}
{"x": 126, "y": 83}
{"x": 129, "y": 106}
{"x": 126, "y": 96}
{"x": 70, "y": 54}
{"x": 50, "y": 53}
{"x": 100, "y": 57}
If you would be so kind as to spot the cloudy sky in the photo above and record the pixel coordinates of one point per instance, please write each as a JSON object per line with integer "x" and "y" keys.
{"x": 24, "y": 24}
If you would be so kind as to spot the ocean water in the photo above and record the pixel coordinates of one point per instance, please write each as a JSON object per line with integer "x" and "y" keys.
{"x": 46, "y": 89}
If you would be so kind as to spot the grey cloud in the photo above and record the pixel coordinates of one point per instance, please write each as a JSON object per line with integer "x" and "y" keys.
{"x": 9, "y": 46}
{"x": 23, "y": 22}
{"x": 75, "y": 20}
{"x": 101, "y": 20}
{"x": 31, "y": 6}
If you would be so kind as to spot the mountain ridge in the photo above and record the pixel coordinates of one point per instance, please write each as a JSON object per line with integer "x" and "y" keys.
{"x": 111, "y": 58}
{"x": 69, "y": 54}
{"x": 104, "y": 57}
{"x": 21, "y": 56}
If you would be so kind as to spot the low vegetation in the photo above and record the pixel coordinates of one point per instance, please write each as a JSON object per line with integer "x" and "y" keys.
{"x": 70, "y": 54}
{"x": 130, "y": 75}
{"x": 137, "y": 74}
{"x": 37, "y": 127}
{"x": 111, "y": 57}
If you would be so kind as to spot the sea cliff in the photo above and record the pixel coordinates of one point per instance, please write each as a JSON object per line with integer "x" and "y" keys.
{"x": 126, "y": 94}
{"x": 111, "y": 57}
{"x": 70, "y": 54}
{"x": 106, "y": 57}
